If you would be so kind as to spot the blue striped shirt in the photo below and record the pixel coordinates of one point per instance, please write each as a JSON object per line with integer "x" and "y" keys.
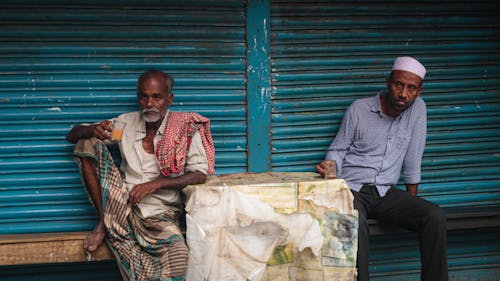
{"x": 373, "y": 148}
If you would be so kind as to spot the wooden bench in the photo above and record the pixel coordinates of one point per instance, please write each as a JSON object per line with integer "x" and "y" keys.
{"x": 37, "y": 248}
{"x": 18, "y": 249}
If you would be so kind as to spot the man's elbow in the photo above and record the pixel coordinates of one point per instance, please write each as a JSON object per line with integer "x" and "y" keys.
{"x": 80, "y": 132}
{"x": 70, "y": 138}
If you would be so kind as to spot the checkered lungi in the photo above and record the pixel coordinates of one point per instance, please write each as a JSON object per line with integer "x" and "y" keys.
{"x": 150, "y": 248}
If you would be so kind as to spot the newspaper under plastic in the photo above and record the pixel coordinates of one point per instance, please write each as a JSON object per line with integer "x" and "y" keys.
{"x": 271, "y": 226}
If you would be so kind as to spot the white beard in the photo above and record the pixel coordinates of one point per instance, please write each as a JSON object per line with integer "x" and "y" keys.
{"x": 151, "y": 115}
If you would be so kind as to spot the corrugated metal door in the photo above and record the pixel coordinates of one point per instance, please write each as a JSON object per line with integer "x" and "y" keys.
{"x": 325, "y": 54}
{"x": 63, "y": 63}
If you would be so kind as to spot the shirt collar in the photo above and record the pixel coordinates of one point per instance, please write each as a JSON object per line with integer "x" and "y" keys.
{"x": 375, "y": 105}
{"x": 141, "y": 127}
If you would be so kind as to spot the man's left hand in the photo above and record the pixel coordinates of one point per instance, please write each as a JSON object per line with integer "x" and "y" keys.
{"x": 412, "y": 189}
{"x": 140, "y": 191}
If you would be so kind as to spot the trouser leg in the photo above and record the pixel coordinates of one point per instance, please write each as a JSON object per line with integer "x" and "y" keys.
{"x": 361, "y": 203}
{"x": 428, "y": 220}
{"x": 432, "y": 238}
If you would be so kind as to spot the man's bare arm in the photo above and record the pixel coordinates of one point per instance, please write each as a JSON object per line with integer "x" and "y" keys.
{"x": 100, "y": 131}
{"x": 139, "y": 191}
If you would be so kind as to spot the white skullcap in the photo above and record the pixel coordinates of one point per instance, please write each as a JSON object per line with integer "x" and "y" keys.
{"x": 409, "y": 64}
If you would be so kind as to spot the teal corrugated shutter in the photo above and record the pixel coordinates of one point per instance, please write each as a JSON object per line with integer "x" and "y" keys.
{"x": 66, "y": 63}
{"x": 327, "y": 53}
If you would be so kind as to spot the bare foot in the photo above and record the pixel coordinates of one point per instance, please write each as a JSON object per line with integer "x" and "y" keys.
{"x": 95, "y": 238}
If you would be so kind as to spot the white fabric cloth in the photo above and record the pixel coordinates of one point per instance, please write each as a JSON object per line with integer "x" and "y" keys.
{"x": 242, "y": 227}
{"x": 231, "y": 236}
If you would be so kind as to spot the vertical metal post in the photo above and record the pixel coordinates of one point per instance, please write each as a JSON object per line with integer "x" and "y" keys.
{"x": 259, "y": 86}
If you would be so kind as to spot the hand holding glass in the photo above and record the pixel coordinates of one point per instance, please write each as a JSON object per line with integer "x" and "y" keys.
{"x": 329, "y": 167}
{"x": 117, "y": 132}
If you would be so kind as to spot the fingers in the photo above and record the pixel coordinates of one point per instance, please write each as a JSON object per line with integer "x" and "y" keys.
{"x": 134, "y": 197}
{"x": 329, "y": 168}
{"x": 320, "y": 169}
{"x": 103, "y": 130}
{"x": 138, "y": 192}
{"x": 326, "y": 164}
{"x": 326, "y": 167}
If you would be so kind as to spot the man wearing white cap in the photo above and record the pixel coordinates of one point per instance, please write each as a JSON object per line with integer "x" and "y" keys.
{"x": 379, "y": 138}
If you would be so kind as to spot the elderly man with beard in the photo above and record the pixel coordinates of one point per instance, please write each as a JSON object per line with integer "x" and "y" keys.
{"x": 379, "y": 138}
{"x": 140, "y": 203}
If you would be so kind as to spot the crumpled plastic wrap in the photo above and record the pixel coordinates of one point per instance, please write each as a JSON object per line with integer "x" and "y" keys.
{"x": 270, "y": 226}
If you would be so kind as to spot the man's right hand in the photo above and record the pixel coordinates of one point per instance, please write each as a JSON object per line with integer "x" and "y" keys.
{"x": 102, "y": 130}
{"x": 327, "y": 169}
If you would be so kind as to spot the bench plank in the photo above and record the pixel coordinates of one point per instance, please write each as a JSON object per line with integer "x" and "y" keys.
{"x": 38, "y": 248}
{"x": 20, "y": 249}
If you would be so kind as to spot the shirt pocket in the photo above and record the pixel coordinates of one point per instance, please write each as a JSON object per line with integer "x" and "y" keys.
{"x": 402, "y": 140}
{"x": 369, "y": 141}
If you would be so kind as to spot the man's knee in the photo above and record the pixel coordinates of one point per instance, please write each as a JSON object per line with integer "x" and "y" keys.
{"x": 87, "y": 160}
{"x": 178, "y": 258}
{"x": 436, "y": 216}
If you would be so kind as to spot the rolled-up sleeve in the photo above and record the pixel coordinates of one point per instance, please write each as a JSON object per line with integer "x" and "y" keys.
{"x": 340, "y": 145}
{"x": 196, "y": 159}
{"x": 413, "y": 159}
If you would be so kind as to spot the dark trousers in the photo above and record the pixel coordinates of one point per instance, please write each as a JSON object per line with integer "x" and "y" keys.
{"x": 400, "y": 208}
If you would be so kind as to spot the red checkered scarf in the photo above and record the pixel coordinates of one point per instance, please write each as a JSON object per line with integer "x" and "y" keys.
{"x": 172, "y": 148}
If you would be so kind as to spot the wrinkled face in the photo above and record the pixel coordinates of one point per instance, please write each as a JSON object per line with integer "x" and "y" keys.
{"x": 404, "y": 87}
{"x": 153, "y": 98}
